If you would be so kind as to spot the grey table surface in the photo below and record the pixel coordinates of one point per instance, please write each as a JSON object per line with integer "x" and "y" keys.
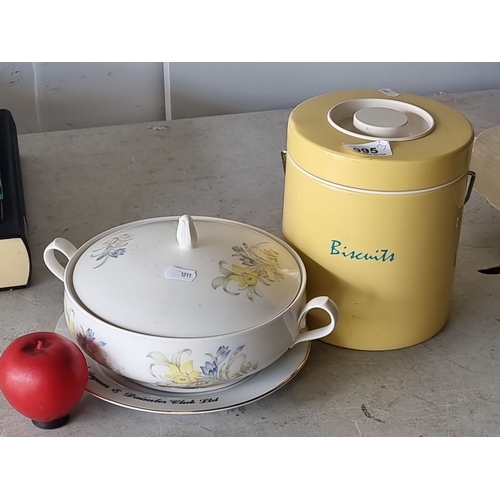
{"x": 81, "y": 182}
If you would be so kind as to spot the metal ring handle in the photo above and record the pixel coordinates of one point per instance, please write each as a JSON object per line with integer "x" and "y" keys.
{"x": 283, "y": 160}
{"x": 472, "y": 176}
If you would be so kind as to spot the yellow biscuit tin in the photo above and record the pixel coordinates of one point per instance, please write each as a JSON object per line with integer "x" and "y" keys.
{"x": 375, "y": 185}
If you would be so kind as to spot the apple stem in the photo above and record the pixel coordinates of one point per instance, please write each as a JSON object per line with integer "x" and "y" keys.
{"x": 39, "y": 345}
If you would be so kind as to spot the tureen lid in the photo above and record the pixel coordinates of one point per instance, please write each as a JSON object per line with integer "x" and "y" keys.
{"x": 186, "y": 277}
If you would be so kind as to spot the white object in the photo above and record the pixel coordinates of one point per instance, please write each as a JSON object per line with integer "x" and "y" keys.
{"x": 389, "y": 92}
{"x": 380, "y": 121}
{"x": 375, "y": 148}
{"x": 485, "y": 162}
{"x": 187, "y": 237}
{"x": 372, "y": 118}
{"x": 120, "y": 391}
{"x": 243, "y": 308}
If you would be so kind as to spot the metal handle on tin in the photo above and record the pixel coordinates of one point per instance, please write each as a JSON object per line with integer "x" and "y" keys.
{"x": 472, "y": 176}
{"x": 283, "y": 160}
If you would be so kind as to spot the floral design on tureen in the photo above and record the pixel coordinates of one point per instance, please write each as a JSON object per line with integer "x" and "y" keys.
{"x": 259, "y": 265}
{"x": 87, "y": 341}
{"x": 223, "y": 366}
{"x": 113, "y": 247}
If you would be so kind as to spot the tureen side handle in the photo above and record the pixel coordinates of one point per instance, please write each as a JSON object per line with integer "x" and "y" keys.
{"x": 66, "y": 248}
{"x": 327, "y": 305}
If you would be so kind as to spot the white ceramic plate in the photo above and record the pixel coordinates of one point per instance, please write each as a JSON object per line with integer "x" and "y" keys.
{"x": 121, "y": 391}
{"x": 485, "y": 162}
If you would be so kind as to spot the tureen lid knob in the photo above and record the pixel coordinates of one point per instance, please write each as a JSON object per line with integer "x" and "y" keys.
{"x": 187, "y": 237}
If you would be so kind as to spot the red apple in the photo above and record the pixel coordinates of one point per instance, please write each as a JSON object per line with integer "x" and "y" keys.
{"x": 43, "y": 376}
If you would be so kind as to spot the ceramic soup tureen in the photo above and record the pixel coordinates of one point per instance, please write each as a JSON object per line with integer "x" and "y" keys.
{"x": 187, "y": 303}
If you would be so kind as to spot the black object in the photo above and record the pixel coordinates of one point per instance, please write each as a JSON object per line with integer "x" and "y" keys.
{"x": 15, "y": 260}
{"x": 490, "y": 270}
{"x": 53, "y": 424}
